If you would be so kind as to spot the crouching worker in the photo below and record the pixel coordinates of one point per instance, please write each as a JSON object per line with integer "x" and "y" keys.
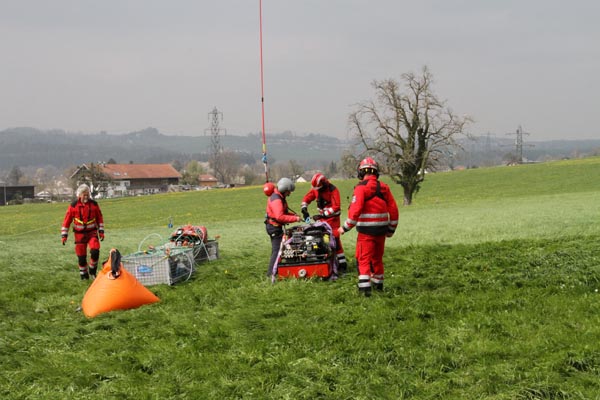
{"x": 328, "y": 205}
{"x": 277, "y": 216}
{"x": 88, "y": 226}
{"x": 374, "y": 212}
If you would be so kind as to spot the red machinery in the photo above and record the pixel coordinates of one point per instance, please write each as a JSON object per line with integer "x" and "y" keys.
{"x": 307, "y": 251}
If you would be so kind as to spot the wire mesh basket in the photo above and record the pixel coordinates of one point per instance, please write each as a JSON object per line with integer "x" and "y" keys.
{"x": 162, "y": 265}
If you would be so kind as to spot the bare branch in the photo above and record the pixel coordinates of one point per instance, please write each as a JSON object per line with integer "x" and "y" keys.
{"x": 408, "y": 126}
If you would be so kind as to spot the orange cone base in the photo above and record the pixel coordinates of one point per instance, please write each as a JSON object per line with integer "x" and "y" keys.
{"x": 108, "y": 294}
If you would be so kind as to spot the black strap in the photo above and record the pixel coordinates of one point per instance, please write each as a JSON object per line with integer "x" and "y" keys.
{"x": 321, "y": 202}
{"x": 377, "y": 191}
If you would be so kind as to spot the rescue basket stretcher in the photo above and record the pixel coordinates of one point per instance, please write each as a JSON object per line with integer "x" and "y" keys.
{"x": 175, "y": 261}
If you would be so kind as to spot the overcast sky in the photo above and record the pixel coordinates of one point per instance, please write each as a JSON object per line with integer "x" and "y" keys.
{"x": 124, "y": 65}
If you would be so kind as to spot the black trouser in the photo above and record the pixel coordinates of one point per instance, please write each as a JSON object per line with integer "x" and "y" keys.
{"x": 276, "y": 235}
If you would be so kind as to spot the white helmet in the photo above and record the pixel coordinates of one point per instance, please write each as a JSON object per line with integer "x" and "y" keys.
{"x": 285, "y": 185}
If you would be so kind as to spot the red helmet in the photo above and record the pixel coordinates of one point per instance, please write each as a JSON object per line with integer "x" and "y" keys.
{"x": 318, "y": 180}
{"x": 368, "y": 166}
{"x": 268, "y": 188}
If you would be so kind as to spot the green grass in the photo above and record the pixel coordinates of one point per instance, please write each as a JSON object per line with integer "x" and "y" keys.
{"x": 491, "y": 293}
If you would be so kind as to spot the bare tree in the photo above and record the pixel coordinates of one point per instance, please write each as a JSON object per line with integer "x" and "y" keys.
{"x": 230, "y": 165}
{"x": 296, "y": 170}
{"x": 349, "y": 163}
{"x": 408, "y": 127}
{"x": 94, "y": 176}
{"x": 14, "y": 176}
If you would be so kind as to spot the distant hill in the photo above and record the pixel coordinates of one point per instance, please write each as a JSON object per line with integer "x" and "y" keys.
{"x": 30, "y": 147}
{"x": 481, "y": 151}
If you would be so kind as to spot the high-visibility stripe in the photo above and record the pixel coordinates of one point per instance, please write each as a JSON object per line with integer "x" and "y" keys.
{"x": 84, "y": 227}
{"x": 78, "y": 221}
{"x": 381, "y": 215}
{"x": 372, "y": 223}
{"x": 364, "y": 281}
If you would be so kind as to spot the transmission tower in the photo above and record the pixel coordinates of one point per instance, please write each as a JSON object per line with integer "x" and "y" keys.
{"x": 216, "y": 159}
{"x": 519, "y": 143}
{"x": 488, "y": 144}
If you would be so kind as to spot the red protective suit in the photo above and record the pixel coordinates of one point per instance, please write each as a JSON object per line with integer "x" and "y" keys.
{"x": 329, "y": 207}
{"x": 277, "y": 210}
{"x": 374, "y": 212}
{"x": 87, "y": 222}
{"x": 277, "y": 216}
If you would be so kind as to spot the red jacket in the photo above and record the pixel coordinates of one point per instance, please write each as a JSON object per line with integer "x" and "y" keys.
{"x": 373, "y": 209}
{"x": 328, "y": 200}
{"x": 86, "y": 217}
{"x": 277, "y": 210}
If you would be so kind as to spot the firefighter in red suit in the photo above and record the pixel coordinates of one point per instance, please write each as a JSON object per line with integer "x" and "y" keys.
{"x": 374, "y": 212}
{"x": 88, "y": 226}
{"x": 328, "y": 205}
{"x": 277, "y": 216}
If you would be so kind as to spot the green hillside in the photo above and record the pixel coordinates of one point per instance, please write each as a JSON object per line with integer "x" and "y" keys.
{"x": 491, "y": 293}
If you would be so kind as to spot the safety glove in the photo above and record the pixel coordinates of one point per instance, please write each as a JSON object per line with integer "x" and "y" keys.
{"x": 64, "y": 238}
{"x": 305, "y": 214}
{"x": 101, "y": 234}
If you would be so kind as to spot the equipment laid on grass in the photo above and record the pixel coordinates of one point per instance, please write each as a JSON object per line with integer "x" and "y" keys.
{"x": 115, "y": 289}
{"x": 196, "y": 237}
{"x": 175, "y": 261}
{"x": 161, "y": 264}
{"x": 307, "y": 251}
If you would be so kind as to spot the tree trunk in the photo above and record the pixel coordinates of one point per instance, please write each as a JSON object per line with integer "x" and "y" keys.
{"x": 408, "y": 195}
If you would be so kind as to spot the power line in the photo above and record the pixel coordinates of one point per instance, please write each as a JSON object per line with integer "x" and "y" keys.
{"x": 519, "y": 143}
{"x": 215, "y": 116}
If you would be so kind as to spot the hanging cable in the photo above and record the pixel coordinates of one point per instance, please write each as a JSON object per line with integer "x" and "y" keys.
{"x": 262, "y": 99}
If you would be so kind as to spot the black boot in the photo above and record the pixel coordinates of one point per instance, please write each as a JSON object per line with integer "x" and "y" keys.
{"x": 93, "y": 272}
{"x": 379, "y": 286}
{"x": 84, "y": 275}
{"x": 366, "y": 291}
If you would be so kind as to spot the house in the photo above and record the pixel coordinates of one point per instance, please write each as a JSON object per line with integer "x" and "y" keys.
{"x": 207, "y": 180}
{"x": 16, "y": 194}
{"x": 129, "y": 179}
{"x": 44, "y": 195}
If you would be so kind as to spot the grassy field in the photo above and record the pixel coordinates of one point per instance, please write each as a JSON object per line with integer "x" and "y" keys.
{"x": 491, "y": 293}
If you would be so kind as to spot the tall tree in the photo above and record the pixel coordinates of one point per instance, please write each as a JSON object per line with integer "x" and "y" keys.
{"x": 93, "y": 176}
{"x": 230, "y": 165}
{"x": 349, "y": 163}
{"x": 192, "y": 171}
{"x": 407, "y": 127}
{"x": 177, "y": 165}
{"x": 296, "y": 170}
{"x": 14, "y": 176}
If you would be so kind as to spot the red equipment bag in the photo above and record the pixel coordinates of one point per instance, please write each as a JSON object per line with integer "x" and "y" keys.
{"x": 189, "y": 235}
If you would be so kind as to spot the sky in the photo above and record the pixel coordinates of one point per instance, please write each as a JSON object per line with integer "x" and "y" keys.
{"x": 124, "y": 65}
